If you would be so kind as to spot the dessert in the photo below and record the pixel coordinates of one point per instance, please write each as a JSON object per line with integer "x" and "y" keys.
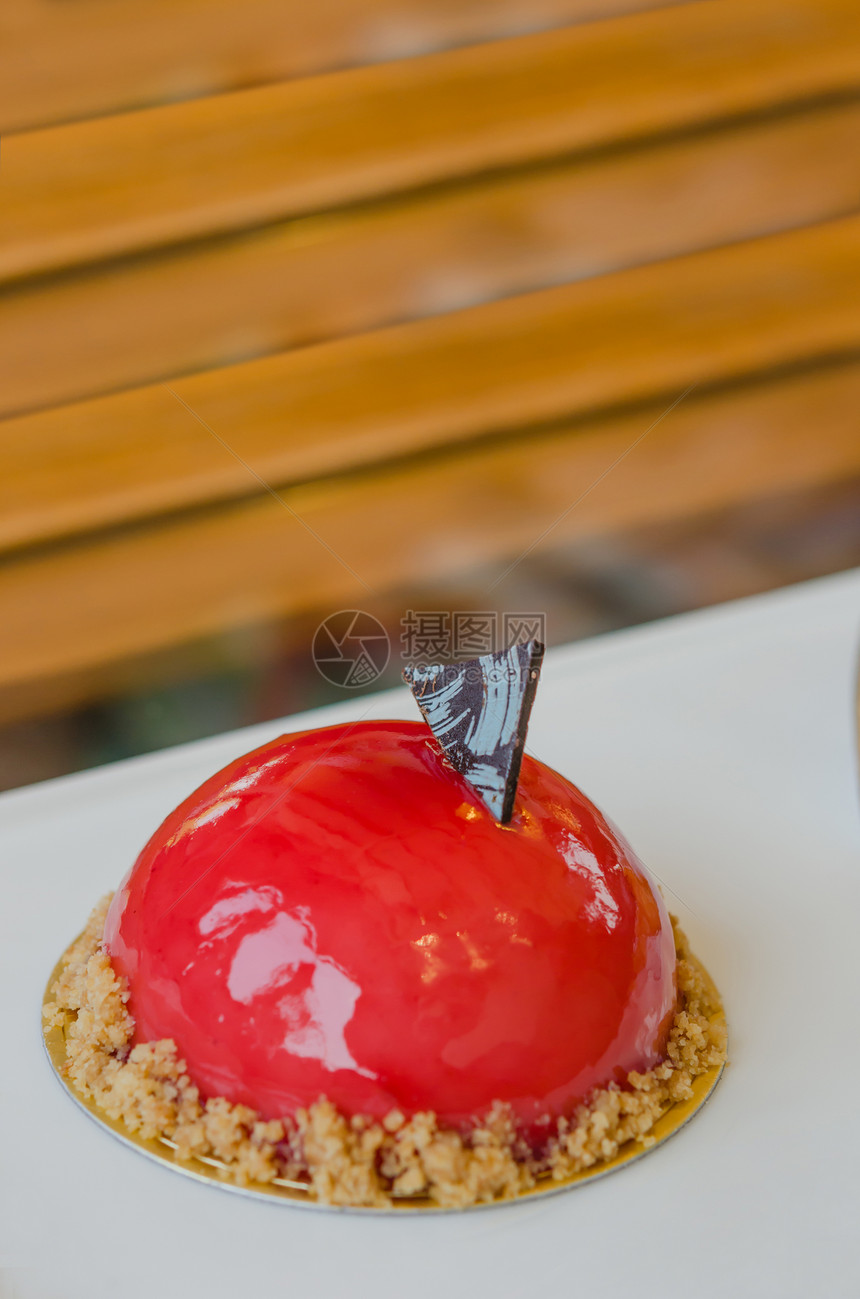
{"x": 334, "y": 966}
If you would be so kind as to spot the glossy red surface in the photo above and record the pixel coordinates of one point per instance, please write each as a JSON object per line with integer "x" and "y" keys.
{"x": 337, "y": 913}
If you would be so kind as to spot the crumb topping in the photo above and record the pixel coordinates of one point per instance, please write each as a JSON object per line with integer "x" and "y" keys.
{"x": 357, "y": 1161}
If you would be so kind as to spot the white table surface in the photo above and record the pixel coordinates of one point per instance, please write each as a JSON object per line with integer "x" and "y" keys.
{"x": 722, "y": 743}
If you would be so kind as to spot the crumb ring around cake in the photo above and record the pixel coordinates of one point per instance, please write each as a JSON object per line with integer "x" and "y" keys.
{"x": 215, "y": 1173}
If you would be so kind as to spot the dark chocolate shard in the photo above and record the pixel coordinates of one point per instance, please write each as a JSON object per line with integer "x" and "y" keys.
{"x": 479, "y": 713}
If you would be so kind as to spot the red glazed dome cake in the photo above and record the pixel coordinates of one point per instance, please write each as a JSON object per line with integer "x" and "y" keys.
{"x": 387, "y": 960}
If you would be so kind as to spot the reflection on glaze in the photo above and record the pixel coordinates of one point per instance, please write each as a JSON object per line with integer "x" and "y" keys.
{"x": 424, "y": 947}
{"x": 225, "y": 914}
{"x": 602, "y": 906}
{"x": 318, "y": 998}
{"x": 250, "y": 777}
{"x": 339, "y": 914}
{"x": 505, "y": 918}
{"x": 210, "y": 814}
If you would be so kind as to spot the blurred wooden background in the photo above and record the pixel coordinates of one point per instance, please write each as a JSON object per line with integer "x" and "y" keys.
{"x": 456, "y": 281}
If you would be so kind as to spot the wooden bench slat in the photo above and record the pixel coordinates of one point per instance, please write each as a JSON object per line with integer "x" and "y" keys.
{"x": 106, "y": 187}
{"x": 208, "y": 305}
{"x": 74, "y": 616}
{"x": 646, "y": 332}
{"x": 61, "y": 62}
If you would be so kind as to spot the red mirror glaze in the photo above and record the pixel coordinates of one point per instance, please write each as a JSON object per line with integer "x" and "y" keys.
{"x": 337, "y": 913}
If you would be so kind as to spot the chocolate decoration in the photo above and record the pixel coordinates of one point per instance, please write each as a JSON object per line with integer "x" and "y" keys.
{"x": 478, "y": 712}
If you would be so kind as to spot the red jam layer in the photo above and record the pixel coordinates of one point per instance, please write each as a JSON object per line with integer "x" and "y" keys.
{"x": 338, "y": 914}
